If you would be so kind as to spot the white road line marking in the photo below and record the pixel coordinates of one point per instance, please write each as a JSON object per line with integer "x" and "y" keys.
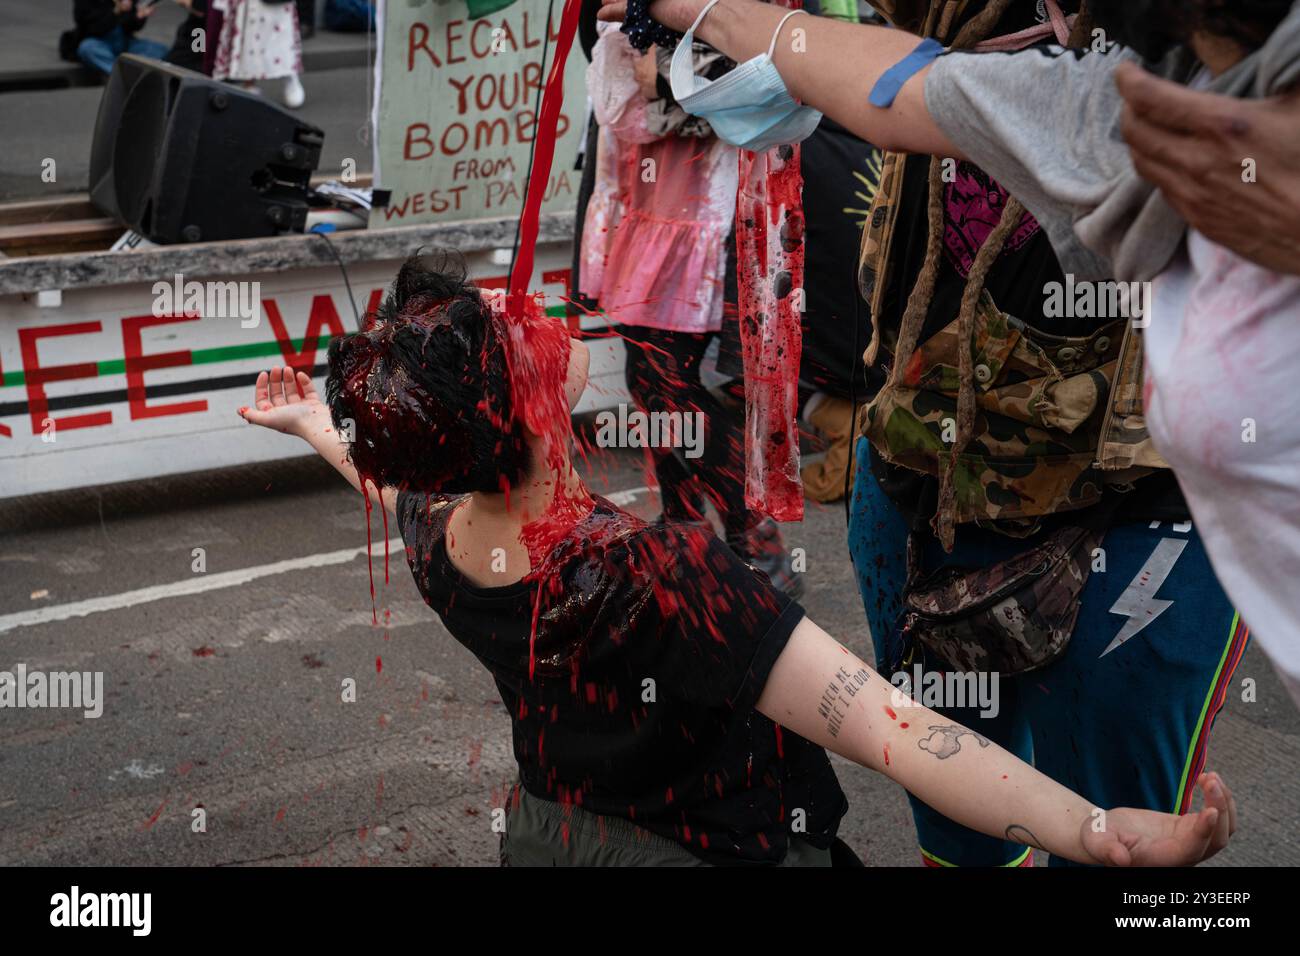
{"x": 202, "y": 583}
{"x": 199, "y": 584}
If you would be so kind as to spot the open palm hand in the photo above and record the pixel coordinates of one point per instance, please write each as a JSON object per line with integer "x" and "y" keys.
{"x": 1131, "y": 837}
{"x": 285, "y": 401}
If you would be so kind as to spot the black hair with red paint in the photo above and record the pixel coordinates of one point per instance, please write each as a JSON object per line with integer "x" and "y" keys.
{"x": 427, "y": 389}
{"x": 1153, "y": 27}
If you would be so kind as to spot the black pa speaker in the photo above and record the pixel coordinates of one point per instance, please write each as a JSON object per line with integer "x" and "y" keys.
{"x": 181, "y": 157}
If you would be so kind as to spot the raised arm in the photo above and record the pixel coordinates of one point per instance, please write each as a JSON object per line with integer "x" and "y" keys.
{"x": 833, "y": 69}
{"x": 287, "y": 402}
{"x": 819, "y": 690}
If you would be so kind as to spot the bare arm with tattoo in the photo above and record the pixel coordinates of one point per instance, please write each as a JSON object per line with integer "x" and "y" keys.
{"x": 819, "y": 690}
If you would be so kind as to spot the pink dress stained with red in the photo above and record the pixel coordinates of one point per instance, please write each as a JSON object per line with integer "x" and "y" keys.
{"x": 655, "y": 234}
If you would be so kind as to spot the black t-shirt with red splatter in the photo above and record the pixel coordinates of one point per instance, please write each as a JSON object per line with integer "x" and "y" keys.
{"x": 635, "y": 695}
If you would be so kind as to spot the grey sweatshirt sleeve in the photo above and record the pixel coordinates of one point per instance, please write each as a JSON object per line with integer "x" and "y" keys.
{"x": 1045, "y": 123}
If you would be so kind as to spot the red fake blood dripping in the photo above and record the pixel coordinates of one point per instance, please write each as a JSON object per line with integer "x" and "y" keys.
{"x": 537, "y": 347}
{"x": 543, "y": 151}
{"x": 370, "y": 565}
{"x": 555, "y": 607}
{"x": 537, "y": 354}
{"x": 886, "y": 755}
{"x": 890, "y": 712}
{"x": 770, "y": 259}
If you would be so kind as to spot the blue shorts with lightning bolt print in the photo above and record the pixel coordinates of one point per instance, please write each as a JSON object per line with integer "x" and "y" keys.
{"x": 1124, "y": 715}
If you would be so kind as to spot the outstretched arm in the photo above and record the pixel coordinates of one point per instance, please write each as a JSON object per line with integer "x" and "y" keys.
{"x": 822, "y": 692}
{"x": 287, "y": 402}
{"x": 833, "y": 69}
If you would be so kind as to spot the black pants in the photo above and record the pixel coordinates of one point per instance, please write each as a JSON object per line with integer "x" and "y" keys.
{"x": 663, "y": 375}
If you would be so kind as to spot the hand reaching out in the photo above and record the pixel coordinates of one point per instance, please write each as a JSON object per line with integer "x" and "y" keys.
{"x": 674, "y": 14}
{"x": 1149, "y": 838}
{"x": 1197, "y": 146}
{"x": 287, "y": 402}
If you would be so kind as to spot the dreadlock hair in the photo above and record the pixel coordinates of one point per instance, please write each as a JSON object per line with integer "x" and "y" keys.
{"x": 424, "y": 390}
{"x": 979, "y": 27}
{"x": 1153, "y": 27}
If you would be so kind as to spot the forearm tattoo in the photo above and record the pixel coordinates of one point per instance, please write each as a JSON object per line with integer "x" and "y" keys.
{"x": 944, "y": 741}
{"x": 834, "y": 706}
{"x": 1018, "y": 834}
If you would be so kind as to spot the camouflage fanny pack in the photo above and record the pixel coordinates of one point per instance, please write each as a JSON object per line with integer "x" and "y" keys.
{"x": 1011, "y": 617}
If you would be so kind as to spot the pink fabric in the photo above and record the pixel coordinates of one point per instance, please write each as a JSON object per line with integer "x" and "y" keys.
{"x": 611, "y": 83}
{"x": 656, "y": 240}
{"x": 668, "y": 253}
{"x": 604, "y": 210}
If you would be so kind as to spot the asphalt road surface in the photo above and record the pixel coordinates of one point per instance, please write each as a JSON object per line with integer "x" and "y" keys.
{"x": 229, "y": 699}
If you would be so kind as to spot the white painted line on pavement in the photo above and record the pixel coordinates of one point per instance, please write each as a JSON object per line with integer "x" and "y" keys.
{"x": 202, "y": 583}
{"x": 199, "y": 584}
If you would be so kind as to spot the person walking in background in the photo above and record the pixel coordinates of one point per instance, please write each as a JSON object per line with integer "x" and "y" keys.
{"x": 105, "y": 29}
{"x": 259, "y": 41}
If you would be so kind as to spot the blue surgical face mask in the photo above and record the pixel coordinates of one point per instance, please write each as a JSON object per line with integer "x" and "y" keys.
{"x": 750, "y": 106}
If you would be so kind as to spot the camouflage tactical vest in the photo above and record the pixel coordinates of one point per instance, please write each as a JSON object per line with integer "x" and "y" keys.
{"x": 1057, "y": 419}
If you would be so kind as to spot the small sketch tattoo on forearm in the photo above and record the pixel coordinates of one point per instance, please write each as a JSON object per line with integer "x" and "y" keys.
{"x": 1023, "y": 835}
{"x": 837, "y": 696}
{"x": 945, "y": 740}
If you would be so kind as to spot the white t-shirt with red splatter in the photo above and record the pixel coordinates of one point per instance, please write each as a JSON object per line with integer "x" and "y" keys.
{"x": 1223, "y": 407}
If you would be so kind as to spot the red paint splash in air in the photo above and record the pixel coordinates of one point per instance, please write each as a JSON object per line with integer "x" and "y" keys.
{"x": 543, "y": 151}
{"x": 537, "y": 348}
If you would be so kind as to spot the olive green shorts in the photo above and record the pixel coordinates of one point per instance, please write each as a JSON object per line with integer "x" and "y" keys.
{"x": 544, "y": 833}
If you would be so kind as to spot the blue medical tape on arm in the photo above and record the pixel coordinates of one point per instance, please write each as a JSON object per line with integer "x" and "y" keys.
{"x": 891, "y": 81}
